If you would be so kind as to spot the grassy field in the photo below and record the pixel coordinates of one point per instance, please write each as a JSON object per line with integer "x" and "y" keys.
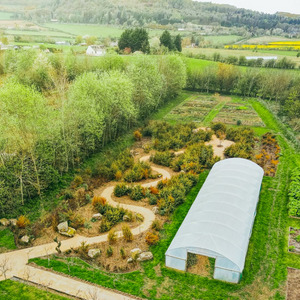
{"x": 265, "y": 272}
{"x": 5, "y": 15}
{"x": 229, "y": 52}
{"x": 12, "y": 290}
{"x": 37, "y": 33}
{"x": 222, "y": 39}
{"x": 266, "y": 39}
{"x": 7, "y": 241}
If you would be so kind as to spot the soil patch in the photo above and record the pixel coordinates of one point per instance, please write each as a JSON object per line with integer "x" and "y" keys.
{"x": 294, "y": 240}
{"x": 202, "y": 267}
{"x": 293, "y": 284}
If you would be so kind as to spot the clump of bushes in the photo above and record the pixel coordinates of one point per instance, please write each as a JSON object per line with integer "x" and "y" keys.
{"x": 137, "y": 135}
{"x": 156, "y": 225}
{"x": 137, "y": 193}
{"x": 112, "y": 236}
{"x": 162, "y": 158}
{"x": 98, "y": 201}
{"x": 139, "y": 171}
{"x": 151, "y": 238}
{"x": 121, "y": 190}
{"x": 113, "y": 165}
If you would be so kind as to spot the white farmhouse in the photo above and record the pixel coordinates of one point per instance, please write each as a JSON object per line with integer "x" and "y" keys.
{"x": 95, "y": 50}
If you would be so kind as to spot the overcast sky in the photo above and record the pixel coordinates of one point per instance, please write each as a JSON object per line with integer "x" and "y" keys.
{"x": 267, "y": 6}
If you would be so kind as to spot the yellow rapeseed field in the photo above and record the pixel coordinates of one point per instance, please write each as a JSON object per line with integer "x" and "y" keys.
{"x": 289, "y": 45}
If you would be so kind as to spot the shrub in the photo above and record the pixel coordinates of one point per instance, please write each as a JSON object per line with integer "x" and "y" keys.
{"x": 191, "y": 259}
{"x": 137, "y": 193}
{"x": 105, "y": 225}
{"x": 127, "y": 234}
{"x": 23, "y": 222}
{"x": 153, "y": 190}
{"x": 109, "y": 251}
{"x": 122, "y": 253}
{"x": 98, "y": 201}
{"x": 152, "y": 200}
{"x": 68, "y": 194}
{"x": 156, "y": 225}
{"x": 151, "y": 238}
{"x": 218, "y": 126}
{"x": 118, "y": 175}
{"x": 77, "y": 180}
{"x": 139, "y": 171}
{"x": 112, "y": 236}
{"x": 137, "y": 135}
{"x": 121, "y": 190}
{"x": 76, "y": 221}
{"x": 162, "y": 158}
{"x": 79, "y": 195}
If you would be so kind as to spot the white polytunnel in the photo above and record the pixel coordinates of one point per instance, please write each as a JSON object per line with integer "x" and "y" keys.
{"x": 219, "y": 223}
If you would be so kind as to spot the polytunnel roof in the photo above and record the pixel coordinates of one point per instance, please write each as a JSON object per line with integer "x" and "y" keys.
{"x": 220, "y": 220}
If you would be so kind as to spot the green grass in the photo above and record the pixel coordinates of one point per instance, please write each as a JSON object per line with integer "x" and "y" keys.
{"x": 12, "y": 290}
{"x": 212, "y": 114}
{"x": 7, "y": 239}
{"x": 222, "y": 39}
{"x": 5, "y": 15}
{"x": 193, "y": 63}
{"x": 37, "y": 33}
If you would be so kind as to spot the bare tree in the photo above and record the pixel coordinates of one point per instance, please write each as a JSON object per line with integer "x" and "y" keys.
{"x": 93, "y": 294}
{"x": 5, "y": 266}
{"x": 27, "y": 274}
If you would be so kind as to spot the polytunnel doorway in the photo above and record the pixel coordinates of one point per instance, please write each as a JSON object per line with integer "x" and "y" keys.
{"x": 200, "y": 265}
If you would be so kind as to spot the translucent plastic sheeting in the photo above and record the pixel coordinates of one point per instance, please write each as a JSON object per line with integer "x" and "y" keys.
{"x": 220, "y": 220}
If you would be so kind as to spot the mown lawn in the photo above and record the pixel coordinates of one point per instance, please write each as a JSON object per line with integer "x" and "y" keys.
{"x": 12, "y": 290}
{"x": 265, "y": 272}
{"x": 7, "y": 239}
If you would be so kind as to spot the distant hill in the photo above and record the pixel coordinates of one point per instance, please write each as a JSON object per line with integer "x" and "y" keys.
{"x": 141, "y": 12}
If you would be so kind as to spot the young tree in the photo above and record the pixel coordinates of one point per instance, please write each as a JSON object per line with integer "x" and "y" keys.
{"x": 78, "y": 39}
{"x": 177, "y": 43}
{"x": 166, "y": 40}
{"x": 135, "y": 39}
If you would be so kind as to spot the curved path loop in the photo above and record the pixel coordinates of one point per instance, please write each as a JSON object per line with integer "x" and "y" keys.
{"x": 17, "y": 260}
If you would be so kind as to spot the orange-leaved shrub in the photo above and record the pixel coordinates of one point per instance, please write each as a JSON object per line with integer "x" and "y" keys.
{"x": 98, "y": 200}
{"x": 151, "y": 238}
{"x": 22, "y": 222}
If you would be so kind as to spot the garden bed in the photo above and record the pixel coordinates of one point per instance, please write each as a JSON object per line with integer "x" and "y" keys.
{"x": 293, "y": 284}
{"x": 244, "y": 114}
{"x": 193, "y": 110}
{"x": 294, "y": 240}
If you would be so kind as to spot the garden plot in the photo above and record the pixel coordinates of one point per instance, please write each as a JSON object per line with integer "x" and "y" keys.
{"x": 294, "y": 240}
{"x": 195, "y": 109}
{"x": 237, "y": 113}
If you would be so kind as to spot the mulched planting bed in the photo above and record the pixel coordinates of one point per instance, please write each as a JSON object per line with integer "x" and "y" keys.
{"x": 294, "y": 240}
{"x": 293, "y": 284}
{"x": 195, "y": 109}
{"x": 232, "y": 112}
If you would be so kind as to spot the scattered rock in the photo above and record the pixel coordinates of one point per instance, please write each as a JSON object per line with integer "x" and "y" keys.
{"x": 155, "y": 210}
{"x": 159, "y": 175}
{"x": 133, "y": 152}
{"x": 25, "y": 239}
{"x": 97, "y": 216}
{"x": 134, "y": 252}
{"x": 70, "y": 232}
{"x": 182, "y": 171}
{"x": 4, "y": 222}
{"x": 196, "y": 130}
{"x": 130, "y": 260}
{"x": 145, "y": 256}
{"x": 94, "y": 252}
{"x": 126, "y": 218}
{"x": 63, "y": 227}
{"x": 13, "y": 222}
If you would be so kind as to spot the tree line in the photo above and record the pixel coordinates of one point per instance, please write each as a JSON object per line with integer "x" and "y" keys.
{"x": 56, "y": 111}
{"x": 174, "y": 12}
{"x": 137, "y": 39}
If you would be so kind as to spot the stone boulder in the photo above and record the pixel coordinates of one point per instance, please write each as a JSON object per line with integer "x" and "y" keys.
{"x": 70, "y": 232}
{"x": 94, "y": 252}
{"x": 134, "y": 252}
{"x": 155, "y": 210}
{"x": 130, "y": 260}
{"x": 25, "y": 239}
{"x": 126, "y": 218}
{"x": 63, "y": 227}
{"x": 13, "y": 222}
{"x": 145, "y": 256}
{"x": 4, "y": 222}
{"x": 97, "y": 216}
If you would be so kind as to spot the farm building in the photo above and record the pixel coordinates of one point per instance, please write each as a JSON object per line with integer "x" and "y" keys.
{"x": 95, "y": 50}
{"x": 219, "y": 223}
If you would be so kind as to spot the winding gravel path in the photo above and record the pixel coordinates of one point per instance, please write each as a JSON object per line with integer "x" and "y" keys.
{"x": 17, "y": 260}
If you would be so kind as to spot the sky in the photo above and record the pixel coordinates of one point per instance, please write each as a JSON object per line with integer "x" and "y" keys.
{"x": 267, "y": 6}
